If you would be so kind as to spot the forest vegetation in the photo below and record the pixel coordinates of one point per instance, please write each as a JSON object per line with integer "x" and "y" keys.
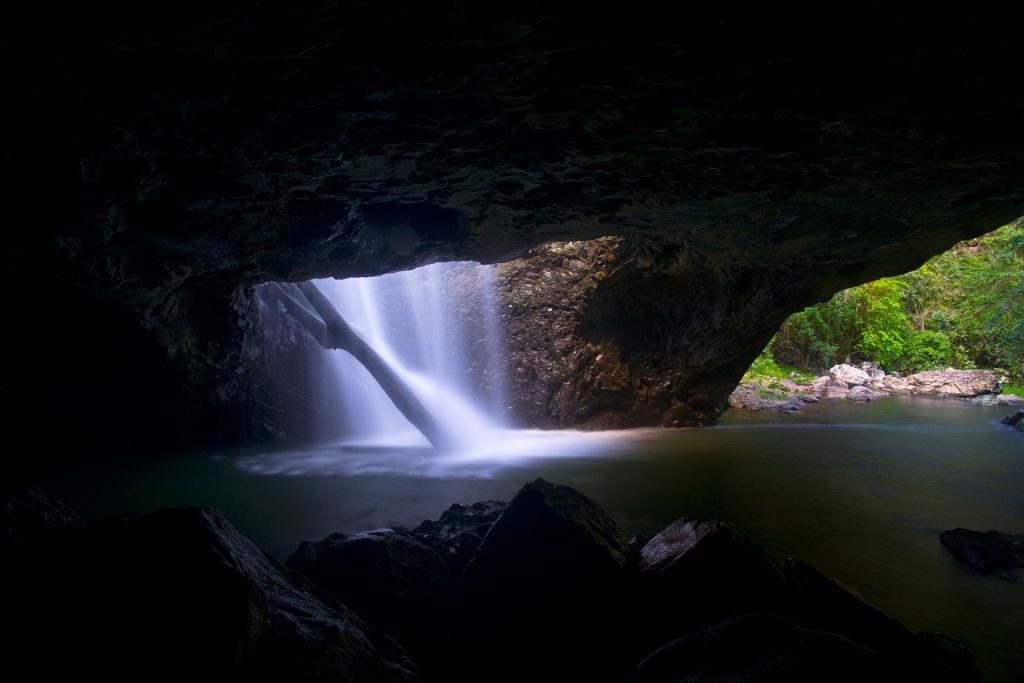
{"x": 963, "y": 308}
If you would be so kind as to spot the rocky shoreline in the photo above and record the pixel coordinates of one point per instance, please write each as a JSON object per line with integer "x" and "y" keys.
{"x": 546, "y": 587}
{"x": 868, "y": 383}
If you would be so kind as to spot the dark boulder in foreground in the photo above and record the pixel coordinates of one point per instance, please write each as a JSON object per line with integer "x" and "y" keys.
{"x": 389, "y": 579}
{"x": 1014, "y": 420}
{"x": 760, "y": 647}
{"x": 459, "y": 532}
{"x": 989, "y": 551}
{"x": 817, "y": 602}
{"x": 694, "y": 573}
{"x": 31, "y": 512}
{"x": 551, "y": 538}
{"x": 177, "y": 594}
{"x": 553, "y": 593}
{"x": 544, "y": 592}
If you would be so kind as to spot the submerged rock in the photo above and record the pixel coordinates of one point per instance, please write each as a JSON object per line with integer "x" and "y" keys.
{"x": 1014, "y": 420}
{"x": 989, "y": 551}
{"x": 176, "y": 592}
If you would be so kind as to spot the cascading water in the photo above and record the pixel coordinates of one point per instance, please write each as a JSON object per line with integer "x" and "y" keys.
{"x": 437, "y": 328}
{"x": 429, "y": 340}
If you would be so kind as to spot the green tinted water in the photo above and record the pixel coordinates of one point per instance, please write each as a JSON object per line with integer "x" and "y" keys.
{"x": 860, "y": 491}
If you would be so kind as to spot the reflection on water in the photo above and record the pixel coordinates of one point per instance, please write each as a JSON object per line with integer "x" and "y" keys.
{"x": 860, "y": 491}
{"x": 506, "y": 448}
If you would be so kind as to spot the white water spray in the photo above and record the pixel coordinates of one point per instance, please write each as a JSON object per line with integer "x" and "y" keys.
{"x": 437, "y": 328}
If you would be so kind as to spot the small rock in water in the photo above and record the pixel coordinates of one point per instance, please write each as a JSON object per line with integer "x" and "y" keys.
{"x": 989, "y": 551}
{"x": 1014, "y": 420}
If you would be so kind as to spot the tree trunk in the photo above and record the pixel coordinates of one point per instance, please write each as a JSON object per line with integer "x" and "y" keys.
{"x": 322, "y": 320}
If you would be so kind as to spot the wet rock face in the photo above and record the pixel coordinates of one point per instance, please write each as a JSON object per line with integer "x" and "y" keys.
{"x": 388, "y": 578}
{"x": 612, "y": 333}
{"x": 183, "y": 157}
{"x": 459, "y": 532}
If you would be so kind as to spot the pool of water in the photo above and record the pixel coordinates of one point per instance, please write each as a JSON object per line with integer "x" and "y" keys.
{"x": 861, "y": 491}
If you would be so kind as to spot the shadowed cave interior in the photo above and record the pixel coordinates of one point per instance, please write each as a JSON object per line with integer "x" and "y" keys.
{"x": 585, "y": 221}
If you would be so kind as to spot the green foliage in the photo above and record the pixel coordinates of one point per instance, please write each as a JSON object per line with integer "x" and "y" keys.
{"x": 883, "y": 324}
{"x": 765, "y": 369}
{"x": 963, "y": 308}
{"x": 927, "y": 350}
{"x": 1017, "y": 389}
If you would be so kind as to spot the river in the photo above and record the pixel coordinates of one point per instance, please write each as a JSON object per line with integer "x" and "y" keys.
{"x": 861, "y": 491}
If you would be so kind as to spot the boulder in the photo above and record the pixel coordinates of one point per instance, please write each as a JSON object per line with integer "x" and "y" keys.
{"x": 459, "y": 532}
{"x": 895, "y": 384}
{"x": 695, "y": 573}
{"x": 172, "y": 593}
{"x": 390, "y": 579}
{"x": 954, "y": 383}
{"x": 817, "y": 602}
{"x": 546, "y": 585}
{"x": 861, "y": 393}
{"x": 819, "y": 383}
{"x": 875, "y": 373}
{"x": 1010, "y": 400}
{"x": 835, "y": 390}
{"x": 989, "y": 551}
{"x": 760, "y": 647}
{"x": 848, "y": 375}
{"x": 1015, "y": 419}
{"x": 32, "y": 512}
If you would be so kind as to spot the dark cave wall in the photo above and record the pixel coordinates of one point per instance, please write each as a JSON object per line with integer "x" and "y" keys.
{"x": 160, "y": 166}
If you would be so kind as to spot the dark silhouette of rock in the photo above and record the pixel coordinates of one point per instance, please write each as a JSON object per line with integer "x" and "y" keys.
{"x": 388, "y": 578}
{"x": 760, "y": 647}
{"x": 543, "y": 594}
{"x": 989, "y": 551}
{"x": 947, "y": 657}
{"x": 696, "y": 573}
{"x": 175, "y": 594}
{"x": 819, "y": 603}
{"x": 459, "y": 532}
{"x": 31, "y": 512}
{"x": 1015, "y": 419}
{"x": 768, "y": 647}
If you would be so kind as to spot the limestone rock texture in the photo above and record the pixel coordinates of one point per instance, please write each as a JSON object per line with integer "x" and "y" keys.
{"x": 747, "y": 165}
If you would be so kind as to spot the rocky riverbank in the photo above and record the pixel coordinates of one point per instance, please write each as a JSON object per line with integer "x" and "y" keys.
{"x": 546, "y": 587}
{"x": 867, "y": 383}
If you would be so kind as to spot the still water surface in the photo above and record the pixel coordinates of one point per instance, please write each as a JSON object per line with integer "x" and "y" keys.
{"x": 861, "y": 491}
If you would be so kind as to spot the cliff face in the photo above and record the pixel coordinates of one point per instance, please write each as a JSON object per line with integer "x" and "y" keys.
{"x": 748, "y": 164}
{"x": 620, "y": 333}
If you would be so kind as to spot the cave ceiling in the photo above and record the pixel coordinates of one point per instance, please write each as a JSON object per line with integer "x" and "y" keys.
{"x": 160, "y": 162}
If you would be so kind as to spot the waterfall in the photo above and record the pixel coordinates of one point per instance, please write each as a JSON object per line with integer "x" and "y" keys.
{"x": 437, "y": 329}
